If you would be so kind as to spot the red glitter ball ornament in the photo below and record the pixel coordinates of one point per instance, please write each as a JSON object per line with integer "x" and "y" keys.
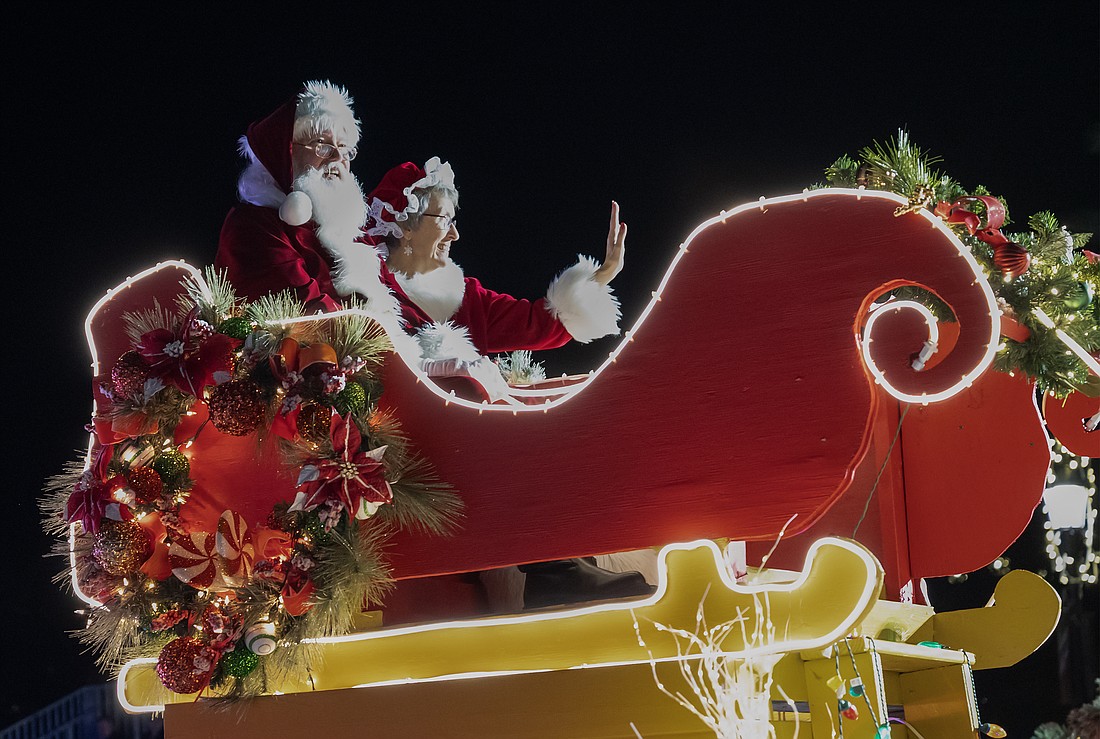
{"x": 97, "y": 584}
{"x": 146, "y": 484}
{"x": 237, "y": 407}
{"x": 129, "y": 374}
{"x": 121, "y": 547}
{"x": 185, "y": 665}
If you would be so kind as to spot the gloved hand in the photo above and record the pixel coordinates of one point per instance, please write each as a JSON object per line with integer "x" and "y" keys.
{"x": 483, "y": 371}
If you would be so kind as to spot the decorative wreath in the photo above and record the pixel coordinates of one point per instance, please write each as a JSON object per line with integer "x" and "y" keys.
{"x": 226, "y": 608}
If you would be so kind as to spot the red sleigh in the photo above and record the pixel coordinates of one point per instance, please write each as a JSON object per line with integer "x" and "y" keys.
{"x": 722, "y": 413}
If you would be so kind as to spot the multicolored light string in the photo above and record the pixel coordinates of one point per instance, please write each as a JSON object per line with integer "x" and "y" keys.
{"x": 991, "y": 730}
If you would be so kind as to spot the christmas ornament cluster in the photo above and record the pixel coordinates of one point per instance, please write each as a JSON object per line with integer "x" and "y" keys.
{"x": 1042, "y": 267}
{"x": 225, "y": 609}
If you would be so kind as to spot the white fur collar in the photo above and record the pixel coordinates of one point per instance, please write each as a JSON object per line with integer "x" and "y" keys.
{"x": 438, "y": 293}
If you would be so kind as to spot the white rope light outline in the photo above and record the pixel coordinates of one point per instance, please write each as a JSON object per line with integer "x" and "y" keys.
{"x": 869, "y": 592}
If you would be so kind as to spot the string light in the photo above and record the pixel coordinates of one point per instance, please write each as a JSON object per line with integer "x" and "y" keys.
{"x": 1066, "y": 567}
{"x": 1068, "y": 340}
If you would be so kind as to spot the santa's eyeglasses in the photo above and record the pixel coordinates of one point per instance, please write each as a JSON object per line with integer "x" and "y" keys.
{"x": 329, "y": 152}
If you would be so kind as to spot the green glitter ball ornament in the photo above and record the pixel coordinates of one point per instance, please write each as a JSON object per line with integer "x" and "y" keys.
{"x": 171, "y": 465}
{"x": 312, "y": 527}
{"x": 237, "y": 328}
{"x": 239, "y": 662}
{"x": 352, "y": 399}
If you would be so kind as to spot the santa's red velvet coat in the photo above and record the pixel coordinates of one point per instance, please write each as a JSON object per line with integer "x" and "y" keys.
{"x": 262, "y": 255}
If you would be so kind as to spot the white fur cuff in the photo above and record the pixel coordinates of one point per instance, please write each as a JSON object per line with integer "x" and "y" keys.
{"x": 587, "y": 309}
{"x": 446, "y": 341}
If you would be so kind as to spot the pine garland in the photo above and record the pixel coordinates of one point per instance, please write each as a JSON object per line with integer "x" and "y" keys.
{"x": 1062, "y": 279}
{"x": 330, "y": 562}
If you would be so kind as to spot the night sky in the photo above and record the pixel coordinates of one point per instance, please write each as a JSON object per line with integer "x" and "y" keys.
{"x": 121, "y": 137}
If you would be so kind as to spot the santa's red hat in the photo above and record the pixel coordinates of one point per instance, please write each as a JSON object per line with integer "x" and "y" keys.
{"x": 391, "y": 202}
{"x": 268, "y": 144}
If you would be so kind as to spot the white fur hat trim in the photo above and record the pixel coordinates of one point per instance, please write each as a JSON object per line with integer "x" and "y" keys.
{"x": 323, "y": 106}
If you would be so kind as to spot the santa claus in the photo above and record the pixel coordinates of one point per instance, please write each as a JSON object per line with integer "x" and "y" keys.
{"x": 301, "y": 211}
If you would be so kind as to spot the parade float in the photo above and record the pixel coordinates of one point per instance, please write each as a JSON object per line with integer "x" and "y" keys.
{"x": 274, "y": 524}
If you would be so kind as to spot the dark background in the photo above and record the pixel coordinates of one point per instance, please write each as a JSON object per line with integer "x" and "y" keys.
{"x": 120, "y": 144}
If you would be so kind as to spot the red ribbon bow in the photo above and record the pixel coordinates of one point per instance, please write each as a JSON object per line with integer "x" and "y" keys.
{"x": 1011, "y": 258}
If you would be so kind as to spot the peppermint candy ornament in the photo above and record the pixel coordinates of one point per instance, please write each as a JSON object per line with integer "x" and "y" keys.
{"x": 194, "y": 560}
{"x": 233, "y": 543}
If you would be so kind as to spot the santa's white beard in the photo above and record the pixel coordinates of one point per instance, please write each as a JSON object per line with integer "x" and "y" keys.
{"x": 339, "y": 209}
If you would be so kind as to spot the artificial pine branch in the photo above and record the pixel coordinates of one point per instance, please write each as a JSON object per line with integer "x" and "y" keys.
{"x": 899, "y": 166}
{"x": 271, "y": 310}
{"x": 356, "y": 335}
{"x": 843, "y": 172}
{"x": 214, "y": 296}
{"x": 421, "y": 502}
{"x": 519, "y": 368}
{"x": 354, "y": 572}
{"x": 53, "y": 505}
{"x": 139, "y": 323}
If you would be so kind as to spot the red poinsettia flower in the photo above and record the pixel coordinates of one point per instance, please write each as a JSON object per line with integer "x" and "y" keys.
{"x": 93, "y": 499}
{"x": 189, "y": 356}
{"x": 354, "y": 479}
